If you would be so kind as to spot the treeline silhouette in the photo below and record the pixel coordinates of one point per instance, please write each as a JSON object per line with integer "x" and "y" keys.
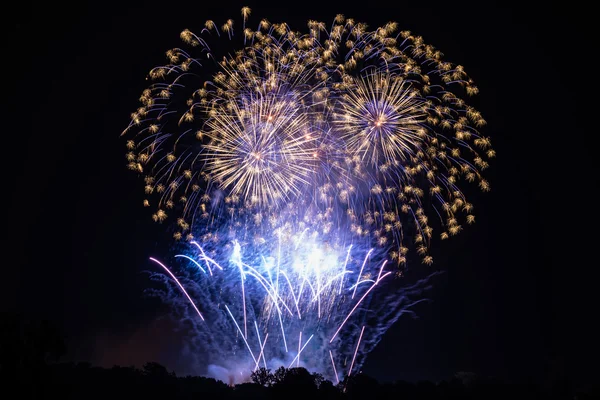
{"x": 29, "y": 368}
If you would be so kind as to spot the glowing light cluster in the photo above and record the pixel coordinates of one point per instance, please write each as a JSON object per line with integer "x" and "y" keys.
{"x": 306, "y": 289}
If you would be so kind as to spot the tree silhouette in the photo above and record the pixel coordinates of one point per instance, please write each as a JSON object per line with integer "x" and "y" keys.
{"x": 157, "y": 371}
{"x": 359, "y": 386}
{"x": 279, "y": 375}
{"x": 328, "y": 391}
{"x": 317, "y": 379}
{"x": 249, "y": 391}
{"x": 153, "y": 381}
{"x": 262, "y": 376}
{"x": 29, "y": 352}
{"x": 299, "y": 377}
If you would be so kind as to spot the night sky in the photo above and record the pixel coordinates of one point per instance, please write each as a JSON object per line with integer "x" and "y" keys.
{"x": 516, "y": 299}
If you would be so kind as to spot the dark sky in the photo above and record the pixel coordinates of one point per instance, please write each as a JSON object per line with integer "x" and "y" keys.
{"x": 517, "y": 296}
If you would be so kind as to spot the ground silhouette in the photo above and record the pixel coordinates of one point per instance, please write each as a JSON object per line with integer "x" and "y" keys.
{"x": 29, "y": 368}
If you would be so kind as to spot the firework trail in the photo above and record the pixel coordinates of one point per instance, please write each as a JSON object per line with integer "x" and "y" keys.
{"x": 302, "y": 170}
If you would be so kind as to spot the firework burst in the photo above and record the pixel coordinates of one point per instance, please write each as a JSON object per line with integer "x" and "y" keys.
{"x": 261, "y": 149}
{"x": 277, "y": 158}
{"x": 380, "y": 120}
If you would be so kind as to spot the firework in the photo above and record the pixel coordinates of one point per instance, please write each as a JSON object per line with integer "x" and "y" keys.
{"x": 303, "y": 169}
{"x": 298, "y": 301}
{"x": 379, "y": 119}
{"x": 261, "y": 148}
